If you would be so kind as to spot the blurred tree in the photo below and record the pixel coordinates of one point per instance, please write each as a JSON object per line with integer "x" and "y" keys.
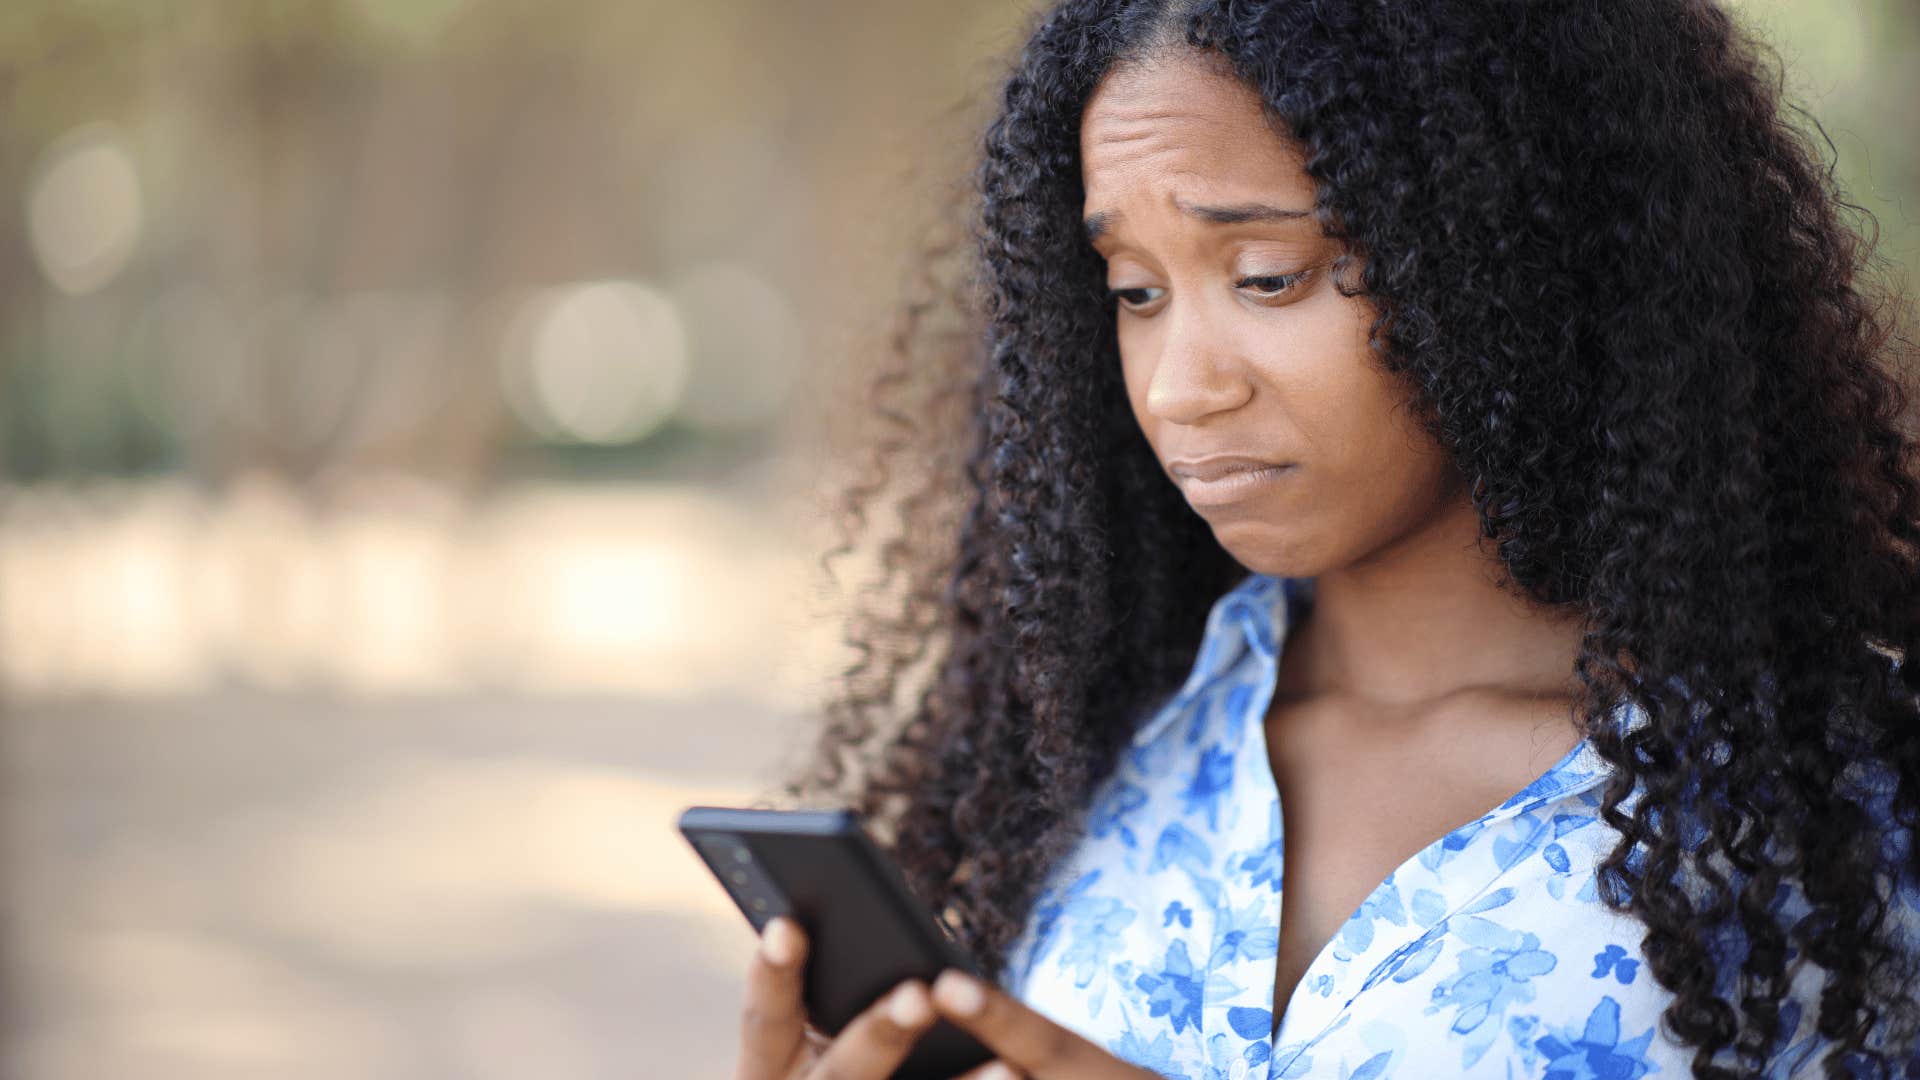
{"x": 339, "y": 210}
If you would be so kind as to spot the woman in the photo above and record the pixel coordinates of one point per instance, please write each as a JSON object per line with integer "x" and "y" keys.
{"x": 1437, "y": 540}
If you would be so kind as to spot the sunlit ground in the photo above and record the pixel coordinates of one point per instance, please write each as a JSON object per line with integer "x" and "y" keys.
{"x": 385, "y": 791}
{"x": 139, "y": 589}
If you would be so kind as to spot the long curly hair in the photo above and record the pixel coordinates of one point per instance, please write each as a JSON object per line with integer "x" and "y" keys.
{"x": 1629, "y": 297}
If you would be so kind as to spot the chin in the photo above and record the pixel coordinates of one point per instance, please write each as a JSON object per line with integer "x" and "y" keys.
{"x": 1265, "y": 548}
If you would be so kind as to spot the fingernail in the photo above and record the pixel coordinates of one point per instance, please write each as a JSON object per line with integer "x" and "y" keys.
{"x": 960, "y": 992}
{"x": 1000, "y": 1070}
{"x": 777, "y": 943}
{"x": 908, "y": 1007}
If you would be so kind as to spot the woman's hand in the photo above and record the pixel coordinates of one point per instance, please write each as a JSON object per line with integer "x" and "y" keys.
{"x": 1027, "y": 1044}
{"x": 776, "y": 1043}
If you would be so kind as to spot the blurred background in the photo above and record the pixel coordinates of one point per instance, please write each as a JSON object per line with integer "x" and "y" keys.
{"x": 416, "y": 418}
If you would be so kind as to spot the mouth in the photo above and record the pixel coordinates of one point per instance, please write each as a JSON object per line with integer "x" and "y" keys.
{"x": 1232, "y": 484}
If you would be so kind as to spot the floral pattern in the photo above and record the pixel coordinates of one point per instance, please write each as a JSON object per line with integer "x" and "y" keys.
{"x": 1487, "y": 954}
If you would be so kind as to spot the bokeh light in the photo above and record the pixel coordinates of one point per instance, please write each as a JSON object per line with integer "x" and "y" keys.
{"x": 84, "y": 209}
{"x": 596, "y": 362}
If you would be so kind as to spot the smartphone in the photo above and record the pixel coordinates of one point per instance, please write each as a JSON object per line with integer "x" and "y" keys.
{"x": 866, "y": 931}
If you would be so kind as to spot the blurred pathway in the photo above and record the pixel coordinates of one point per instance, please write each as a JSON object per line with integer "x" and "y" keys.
{"x": 255, "y": 886}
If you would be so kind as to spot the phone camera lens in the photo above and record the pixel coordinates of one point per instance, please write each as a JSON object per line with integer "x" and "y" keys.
{"x": 759, "y": 904}
{"x": 739, "y": 877}
{"x": 741, "y": 854}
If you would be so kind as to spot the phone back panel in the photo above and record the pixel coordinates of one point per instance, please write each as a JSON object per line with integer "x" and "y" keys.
{"x": 866, "y": 929}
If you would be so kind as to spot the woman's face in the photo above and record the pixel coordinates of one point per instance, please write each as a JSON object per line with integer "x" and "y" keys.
{"x": 1233, "y": 339}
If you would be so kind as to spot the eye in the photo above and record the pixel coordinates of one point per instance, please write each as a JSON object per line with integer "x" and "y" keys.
{"x": 1272, "y": 285}
{"x": 1134, "y": 298}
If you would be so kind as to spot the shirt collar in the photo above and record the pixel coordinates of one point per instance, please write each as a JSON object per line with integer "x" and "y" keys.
{"x": 1253, "y": 615}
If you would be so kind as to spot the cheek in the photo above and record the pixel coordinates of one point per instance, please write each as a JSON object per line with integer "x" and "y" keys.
{"x": 1356, "y": 420}
{"x": 1333, "y": 387}
{"x": 1375, "y": 455}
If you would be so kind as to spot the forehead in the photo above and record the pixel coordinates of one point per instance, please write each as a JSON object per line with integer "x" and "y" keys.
{"x": 1183, "y": 123}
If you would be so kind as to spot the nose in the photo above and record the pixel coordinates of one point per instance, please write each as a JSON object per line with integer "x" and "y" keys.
{"x": 1195, "y": 374}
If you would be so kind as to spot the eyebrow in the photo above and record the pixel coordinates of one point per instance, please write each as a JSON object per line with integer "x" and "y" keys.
{"x": 1099, "y": 222}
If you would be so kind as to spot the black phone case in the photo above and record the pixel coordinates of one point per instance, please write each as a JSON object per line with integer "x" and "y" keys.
{"x": 866, "y": 929}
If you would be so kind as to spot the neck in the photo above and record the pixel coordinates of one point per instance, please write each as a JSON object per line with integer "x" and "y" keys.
{"x": 1424, "y": 619}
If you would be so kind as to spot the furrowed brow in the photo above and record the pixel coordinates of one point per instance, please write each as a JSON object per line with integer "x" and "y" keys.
{"x": 1239, "y": 213}
{"x": 1100, "y": 222}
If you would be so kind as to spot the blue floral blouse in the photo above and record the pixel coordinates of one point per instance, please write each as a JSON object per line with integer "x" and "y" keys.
{"x": 1487, "y": 954}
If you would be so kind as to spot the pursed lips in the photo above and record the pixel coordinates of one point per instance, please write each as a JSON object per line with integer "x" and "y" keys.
{"x": 1213, "y": 468}
{"x": 1222, "y": 481}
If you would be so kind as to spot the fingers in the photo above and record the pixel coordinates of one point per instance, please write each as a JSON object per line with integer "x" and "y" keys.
{"x": 876, "y": 1042}
{"x": 774, "y": 1035}
{"x": 772, "y": 1021}
{"x": 1023, "y": 1039}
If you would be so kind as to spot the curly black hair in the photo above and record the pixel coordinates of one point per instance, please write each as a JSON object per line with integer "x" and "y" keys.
{"x": 1632, "y": 301}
